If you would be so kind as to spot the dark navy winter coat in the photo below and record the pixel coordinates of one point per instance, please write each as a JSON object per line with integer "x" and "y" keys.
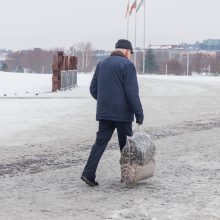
{"x": 115, "y": 87}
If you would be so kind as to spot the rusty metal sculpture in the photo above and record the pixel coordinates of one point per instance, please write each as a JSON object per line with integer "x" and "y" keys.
{"x": 61, "y": 63}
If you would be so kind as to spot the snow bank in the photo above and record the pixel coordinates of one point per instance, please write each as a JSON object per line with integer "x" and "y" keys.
{"x": 23, "y": 84}
{"x": 199, "y": 79}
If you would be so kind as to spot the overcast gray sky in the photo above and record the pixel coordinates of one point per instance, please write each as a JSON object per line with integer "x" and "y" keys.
{"x": 62, "y": 23}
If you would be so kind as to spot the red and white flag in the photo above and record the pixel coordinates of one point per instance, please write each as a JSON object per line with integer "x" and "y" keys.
{"x": 133, "y": 6}
{"x": 127, "y": 10}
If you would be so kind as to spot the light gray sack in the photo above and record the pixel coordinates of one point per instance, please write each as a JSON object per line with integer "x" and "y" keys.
{"x": 138, "y": 158}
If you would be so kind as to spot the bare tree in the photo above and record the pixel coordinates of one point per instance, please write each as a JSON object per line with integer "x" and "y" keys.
{"x": 37, "y": 60}
{"x": 216, "y": 64}
{"x": 84, "y": 53}
{"x": 200, "y": 63}
{"x": 174, "y": 67}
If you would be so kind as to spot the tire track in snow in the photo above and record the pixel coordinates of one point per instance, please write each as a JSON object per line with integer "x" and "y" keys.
{"x": 39, "y": 163}
{"x": 187, "y": 126}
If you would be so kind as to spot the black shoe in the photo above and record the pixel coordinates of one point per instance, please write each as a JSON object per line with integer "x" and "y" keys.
{"x": 89, "y": 182}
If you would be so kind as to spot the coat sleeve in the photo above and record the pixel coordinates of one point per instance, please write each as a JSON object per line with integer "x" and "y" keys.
{"x": 132, "y": 91}
{"x": 93, "y": 85}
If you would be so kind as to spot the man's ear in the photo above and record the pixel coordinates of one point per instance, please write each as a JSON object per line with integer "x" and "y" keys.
{"x": 126, "y": 53}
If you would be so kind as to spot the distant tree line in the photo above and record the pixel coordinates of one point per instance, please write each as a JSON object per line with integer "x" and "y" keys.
{"x": 40, "y": 61}
{"x": 155, "y": 61}
{"x": 34, "y": 61}
{"x": 176, "y": 63}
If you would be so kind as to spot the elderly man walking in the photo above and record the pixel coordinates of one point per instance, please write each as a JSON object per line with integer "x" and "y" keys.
{"x": 115, "y": 87}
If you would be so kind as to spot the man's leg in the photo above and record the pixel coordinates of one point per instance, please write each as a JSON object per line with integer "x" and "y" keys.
{"x": 124, "y": 129}
{"x": 103, "y": 136}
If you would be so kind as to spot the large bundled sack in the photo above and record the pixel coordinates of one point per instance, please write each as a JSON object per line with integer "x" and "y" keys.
{"x": 137, "y": 158}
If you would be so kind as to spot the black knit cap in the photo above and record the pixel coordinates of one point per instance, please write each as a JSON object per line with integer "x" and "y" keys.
{"x": 124, "y": 44}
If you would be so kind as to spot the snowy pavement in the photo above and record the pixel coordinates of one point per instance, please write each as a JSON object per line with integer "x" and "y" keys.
{"x": 46, "y": 138}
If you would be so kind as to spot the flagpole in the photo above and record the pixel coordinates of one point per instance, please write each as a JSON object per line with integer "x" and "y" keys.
{"x": 128, "y": 20}
{"x": 144, "y": 39}
{"x": 135, "y": 39}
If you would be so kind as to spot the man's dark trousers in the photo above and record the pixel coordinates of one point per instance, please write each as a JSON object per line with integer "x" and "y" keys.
{"x": 103, "y": 136}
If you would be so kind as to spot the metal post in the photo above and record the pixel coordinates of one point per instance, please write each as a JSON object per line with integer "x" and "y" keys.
{"x": 144, "y": 42}
{"x": 135, "y": 40}
{"x": 187, "y": 64}
{"x": 128, "y": 15}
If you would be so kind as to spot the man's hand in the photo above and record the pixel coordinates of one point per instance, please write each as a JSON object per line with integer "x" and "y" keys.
{"x": 140, "y": 120}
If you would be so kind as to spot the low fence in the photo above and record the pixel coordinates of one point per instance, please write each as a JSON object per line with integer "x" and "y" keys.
{"x": 68, "y": 79}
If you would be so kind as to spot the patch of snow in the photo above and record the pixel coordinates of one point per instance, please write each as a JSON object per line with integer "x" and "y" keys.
{"x": 45, "y": 142}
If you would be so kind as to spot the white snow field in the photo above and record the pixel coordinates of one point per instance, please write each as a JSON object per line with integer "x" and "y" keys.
{"x": 45, "y": 139}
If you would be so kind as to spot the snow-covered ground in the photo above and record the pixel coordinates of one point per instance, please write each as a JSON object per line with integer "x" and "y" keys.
{"x": 45, "y": 139}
